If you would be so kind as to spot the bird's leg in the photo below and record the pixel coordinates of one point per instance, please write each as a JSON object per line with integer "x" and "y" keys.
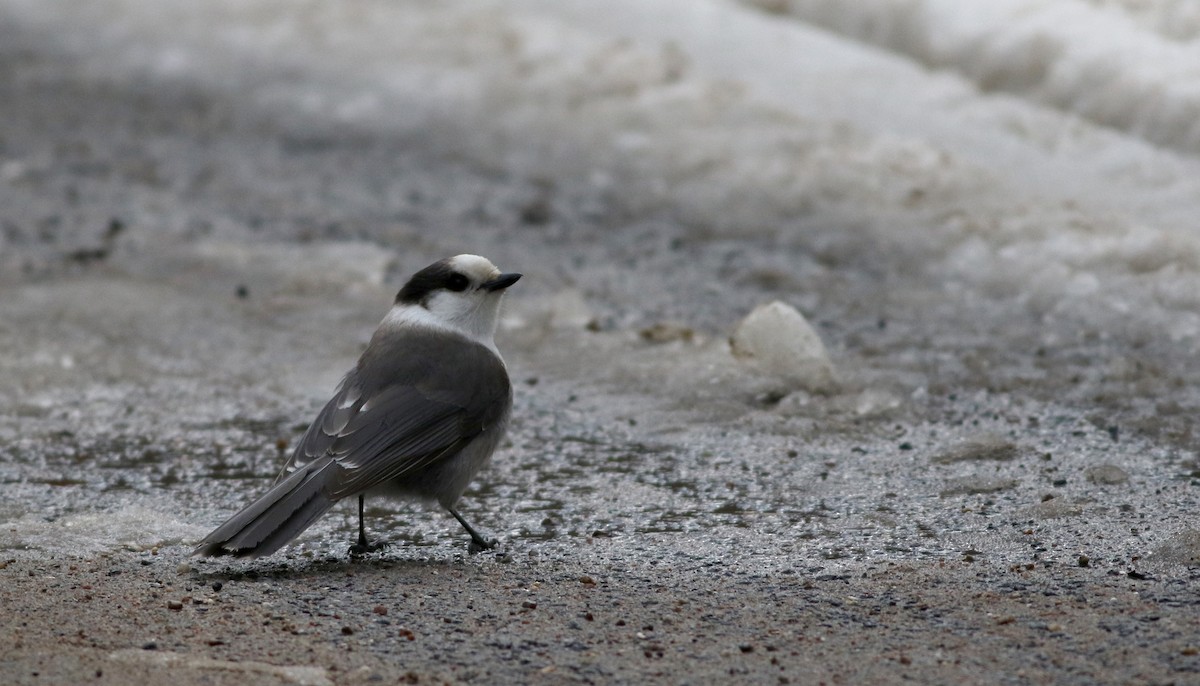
{"x": 362, "y": 529}
{"x": 478, "y": 543}
{"x": 363, "y": 547}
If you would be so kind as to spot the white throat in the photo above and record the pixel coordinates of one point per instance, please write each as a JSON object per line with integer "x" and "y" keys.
{"x": 478, "y": 325}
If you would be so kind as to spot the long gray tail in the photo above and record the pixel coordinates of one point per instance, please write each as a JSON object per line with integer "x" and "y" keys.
{"x": 266, "y": 524}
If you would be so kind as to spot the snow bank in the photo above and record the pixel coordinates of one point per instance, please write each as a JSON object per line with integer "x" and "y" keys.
{"x": 1088, "y": 59}
{"x": 1036, "y": 151}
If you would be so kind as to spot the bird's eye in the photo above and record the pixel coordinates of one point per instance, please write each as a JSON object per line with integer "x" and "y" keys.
{"x": 457, "y": 282}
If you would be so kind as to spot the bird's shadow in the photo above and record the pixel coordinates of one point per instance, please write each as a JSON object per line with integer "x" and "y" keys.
{"x": 233, "y": 569}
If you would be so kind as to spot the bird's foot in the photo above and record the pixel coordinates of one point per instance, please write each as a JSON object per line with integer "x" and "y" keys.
{"x": 478, "y": 545}
{"x": 363, "y": 548}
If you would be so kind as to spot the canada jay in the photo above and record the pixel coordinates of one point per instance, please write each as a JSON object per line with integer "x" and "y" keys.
{"x": 418, "y": 415}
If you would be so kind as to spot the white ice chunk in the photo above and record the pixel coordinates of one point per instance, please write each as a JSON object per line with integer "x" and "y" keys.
{"x": 777, "y": 340}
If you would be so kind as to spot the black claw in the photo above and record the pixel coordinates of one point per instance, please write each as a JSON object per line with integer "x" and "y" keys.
{"x": 480, "y": 545}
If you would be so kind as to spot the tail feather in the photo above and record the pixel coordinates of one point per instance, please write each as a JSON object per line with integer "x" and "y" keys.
{"x": 265, "y": 525}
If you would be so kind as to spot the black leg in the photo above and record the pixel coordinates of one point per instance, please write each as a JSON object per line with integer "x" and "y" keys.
{"x": 478, "y": 542}
{"x": 362, "y": 529}
{"x": 363, "y": 547}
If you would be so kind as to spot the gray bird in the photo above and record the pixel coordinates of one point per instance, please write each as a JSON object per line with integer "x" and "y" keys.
{"x": 418, "y": 416}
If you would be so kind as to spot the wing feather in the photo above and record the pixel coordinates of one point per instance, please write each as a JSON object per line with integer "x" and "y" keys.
{"x": 396, "y": 412}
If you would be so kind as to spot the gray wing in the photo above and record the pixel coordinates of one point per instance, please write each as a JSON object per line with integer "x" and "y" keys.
{"x": 412, "y": 399}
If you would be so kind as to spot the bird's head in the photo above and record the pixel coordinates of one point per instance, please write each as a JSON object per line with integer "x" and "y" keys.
{"x": 460, "y": 293}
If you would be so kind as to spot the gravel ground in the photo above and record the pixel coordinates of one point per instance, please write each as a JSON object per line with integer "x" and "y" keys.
{"x": 114, "y": 619}
{"x": 186, "y": 276}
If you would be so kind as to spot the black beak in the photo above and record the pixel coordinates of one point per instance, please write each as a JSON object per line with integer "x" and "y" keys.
{"x": 501, "y": 282}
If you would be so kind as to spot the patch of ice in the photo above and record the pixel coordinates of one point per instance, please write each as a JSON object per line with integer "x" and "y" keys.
{"x": 276, "y": 267}
{"x": 565, "y": 309}
{"x": 134, "y": 527}
{"x": 301, "y": 675}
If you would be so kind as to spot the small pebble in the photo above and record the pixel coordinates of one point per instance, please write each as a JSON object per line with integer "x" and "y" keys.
{"x": 217, "y": 585}
{"x": 347, "y": 631}
{"x": 174, "y": 605}
{"x": 380, "y": 610}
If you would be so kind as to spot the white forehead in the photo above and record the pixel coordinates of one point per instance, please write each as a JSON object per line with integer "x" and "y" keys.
{"x": 474, "y": 267}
